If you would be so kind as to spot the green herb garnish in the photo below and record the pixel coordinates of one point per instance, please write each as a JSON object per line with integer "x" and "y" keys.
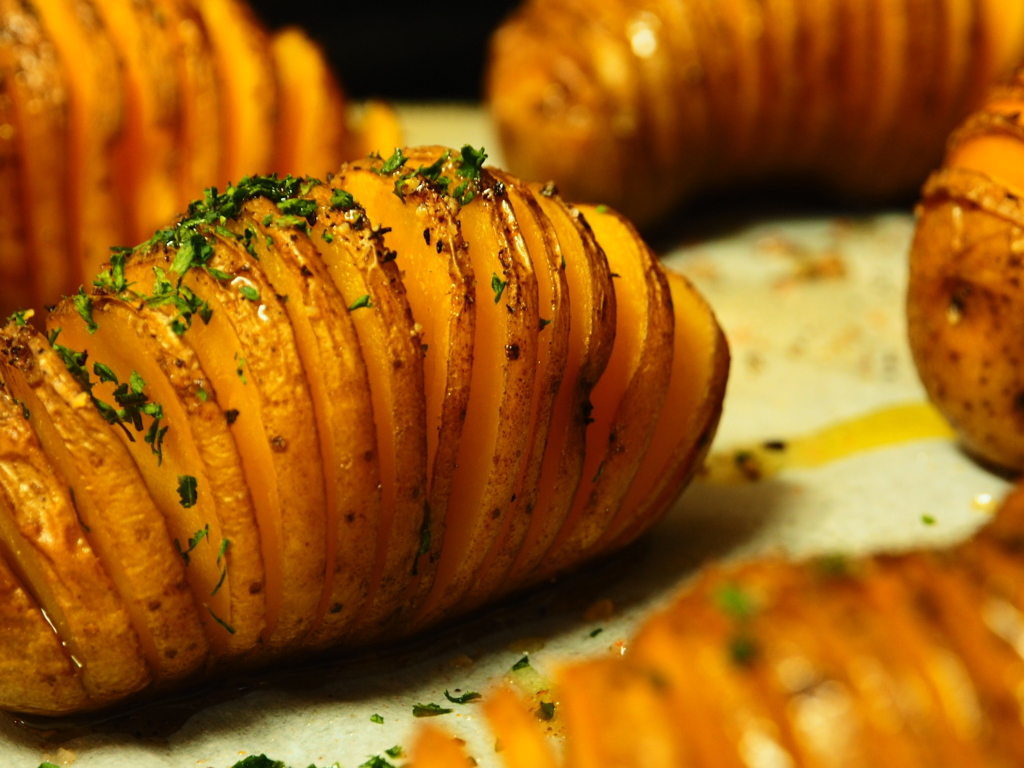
{"x": 375, "y": 718}
{"x": 546, "y": 710}
{"x": 83, "y": 305}
{"x": 463, "y": 699}
{"x": 523, "y": 662}
{"x": 429, "y": 710}
{"x": 362, "y": 301}
{"x": 498, "y": 286}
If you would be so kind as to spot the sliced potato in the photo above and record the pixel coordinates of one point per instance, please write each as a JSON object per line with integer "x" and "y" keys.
{"x": 333, "y": 361}
{"x": 96, "y": 117}
{"x": 423, "y": 232}
{"x": 146, "y": 157}
{"x": 36, "y": 672}
{"x": 120, "y": 520}
{"x": 40, "y": 154}
{"x": 700, "y": 368}
{"x": 42, "y": 539}
{"x": 592, "y": 327}
{"x": 312, "y": 132}
{"x": 552, "y": 355}
{"x": 628, "y": 398}
{"x": 247, "y": 84}
{"x": 493, "y": 440}
{"x": 367, "y": 278}
{"x": 136, "y": 339}
{"x": 249, "y": 351}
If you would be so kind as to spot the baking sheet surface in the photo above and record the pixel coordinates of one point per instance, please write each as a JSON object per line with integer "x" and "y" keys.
{"x": 813, "y": 309}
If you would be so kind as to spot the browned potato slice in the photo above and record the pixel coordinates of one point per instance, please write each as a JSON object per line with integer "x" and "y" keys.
{"x": 121, "y": 522}
{"x": 311, "y": 127}
{"x": 96, "y": 117}
{"x": 16, "y": 255}
{"x": 248, "y": 87}
{"x": 700, "y": 368}
{"x": 249, "y": 351}
{"x": 146, "y": 157}
{"x": 628, "y": 398}
{"x": 367, "y": 278}
{"x": 493, "y": 440}
{"x": 423, "y": 232}
{"x": 38, "y": 134}
{"x": 199, "y": 158}
{"x": 592, "y": 333}
{"x": 598, "y": 735}
{"x": 552, "y": 355}
{"x": 517, "y": 730}
{"x": 36, "y": 672}
{"x": 42, "y": 538}
{"x": 136, "y": 339}
{"x": 333, "y": 361}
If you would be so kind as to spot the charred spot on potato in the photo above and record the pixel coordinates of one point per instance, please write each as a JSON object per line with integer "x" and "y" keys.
{"x": 512, "y": 351}
{"x": 231, "y": 415}
{"x": 337, "y": 608}
{"x": 255, "y": 588}
{"x": 278, "y": 444}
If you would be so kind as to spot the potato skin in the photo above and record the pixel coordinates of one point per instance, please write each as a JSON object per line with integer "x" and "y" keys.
{"x": 965, "y": 303}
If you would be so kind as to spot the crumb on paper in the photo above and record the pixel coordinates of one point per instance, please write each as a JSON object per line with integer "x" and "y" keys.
{"x": 600, "y": 610}
{"x": 984, "y": 502}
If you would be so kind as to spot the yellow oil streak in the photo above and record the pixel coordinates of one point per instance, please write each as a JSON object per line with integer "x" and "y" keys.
{"x": 893, "y": 425}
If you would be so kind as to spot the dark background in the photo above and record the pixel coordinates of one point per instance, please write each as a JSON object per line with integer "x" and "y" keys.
{"x": 427, "y": 50}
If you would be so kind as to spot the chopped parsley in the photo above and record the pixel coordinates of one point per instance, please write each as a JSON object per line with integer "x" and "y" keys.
{"x": 392, "y": 164}
{"x": 230, "y": 630}
{"x": 429, "y": 710}
{"x": 498, "y": 286}
{"x": 362, "y": 301}
{"x": 224, "y": 544}
{"x": 258, "y": 761}
{"x": 249, "y": 293}
{"x": 596, "y": 632}
{"x": 523, "y": 662}
{"x": 327, "y": 237}
{"x": 928, "y": 520}
{"x": 546, "y": 710}
{"x": 395, "y": 751}
{"x": 193, "y": 542}
{"x": 83, "y": 305}
{"x": 602, "y": 208}
{"x": 21, "y": 317}
{"x": 543, "y": 324}
{"x": 463, "y": 699}
{"x": 376, "y": 761}
{"x": 342, "y": 200}
{"x": 734, "y": 602}
{"x": 375, "y": 718}
{"x": 187, "y": 491}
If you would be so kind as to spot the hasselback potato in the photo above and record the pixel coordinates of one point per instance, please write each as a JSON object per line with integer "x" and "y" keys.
{"x": 965, "y": 302}
{"x": 909, "y": 659}
{"x": 640, "y": 103}
{"x": 313, "y": 413}
{"x": 115, "y": 113}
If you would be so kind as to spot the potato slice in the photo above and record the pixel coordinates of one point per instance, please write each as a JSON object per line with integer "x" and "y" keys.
{"x": 693, "y": 405}
{"x": 552, "y": 355}
{"x": 517, "y": 731}
{"x": 422, "y": 230}
{"x": 146, "y": 157}
{"x": 136, "y": 339}
{"x": 120, "y": 520}
{"x": 39, "y": 136}
{"x": 249, "y": 351}
{"x": 43, "y": 540}
{"x": 592, "y": 326}
{"x": 93, "y": 80}
{"x": 375, "y": 129}
{"x": 628, "y": 399}
{"x": 36, "y": 673}
{"x": 493, "y": 439}
{"x": 16, "y": 255}
{"x": 199, "y": 159}
{"x": 434, "y": 748}
{"x": 311, "y": 128}
{"x": 367, "y": 278}
{"x": 635, "y": 731}
{"x": 333, "y": 361}
{"x": 248, "y": 87}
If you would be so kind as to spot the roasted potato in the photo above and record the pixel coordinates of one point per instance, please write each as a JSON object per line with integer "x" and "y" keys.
{"x": 642, "y": 103}
{"x": 116, "y": 113}
{"x": 964, "y": 303}
{"x": 319, "y": 403}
